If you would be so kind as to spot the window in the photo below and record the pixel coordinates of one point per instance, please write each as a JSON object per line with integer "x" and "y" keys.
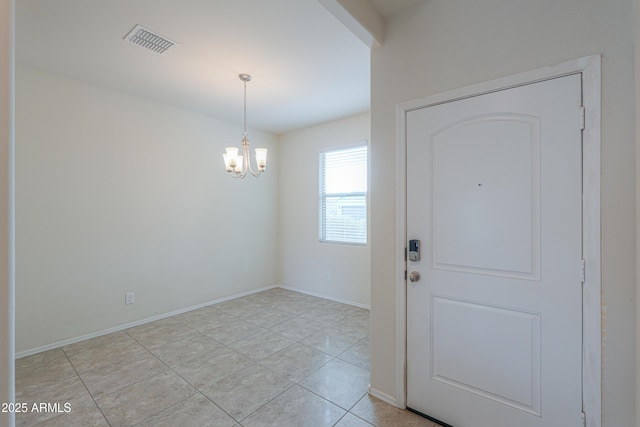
{"x": 343, "y": 195}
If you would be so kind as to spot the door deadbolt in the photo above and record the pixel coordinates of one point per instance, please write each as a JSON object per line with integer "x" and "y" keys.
{"x": 414, "y": 276}
{"x": 414, "y": 250}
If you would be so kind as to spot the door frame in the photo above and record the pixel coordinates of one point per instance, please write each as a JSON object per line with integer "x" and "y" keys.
{"x": 590, "y": 69}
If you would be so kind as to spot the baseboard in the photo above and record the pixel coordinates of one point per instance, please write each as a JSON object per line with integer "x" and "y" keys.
{"x": 136, "y": 323}
{"x": 319, "y": 295}
{"x": 384, "y": 397}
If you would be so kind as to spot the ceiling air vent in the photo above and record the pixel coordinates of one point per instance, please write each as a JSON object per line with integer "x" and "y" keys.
{"x": 150, "y": 40}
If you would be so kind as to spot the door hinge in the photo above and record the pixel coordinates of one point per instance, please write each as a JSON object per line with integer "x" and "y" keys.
{"x": 583, "y": 417}
{"x": 582, "y": 270}
{"x": 582, "y": 118}
{"x": 405, "y": 263}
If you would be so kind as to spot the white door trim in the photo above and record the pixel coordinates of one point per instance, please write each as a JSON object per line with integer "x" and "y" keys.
{"x": 590, "y": 69}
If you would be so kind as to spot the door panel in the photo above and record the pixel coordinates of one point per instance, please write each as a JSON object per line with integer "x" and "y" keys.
{"x": 507, "y": 375}
{"x": 475, "y": 207}
{"x": 494, "y": 325}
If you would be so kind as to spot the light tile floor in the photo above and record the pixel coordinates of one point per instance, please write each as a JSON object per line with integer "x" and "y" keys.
{"x": 274, "y": 358}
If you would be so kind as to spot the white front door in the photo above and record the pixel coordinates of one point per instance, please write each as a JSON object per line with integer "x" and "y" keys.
{"x": 494, "y": 194}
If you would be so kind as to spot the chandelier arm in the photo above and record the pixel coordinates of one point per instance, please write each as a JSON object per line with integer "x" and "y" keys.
{"x": 246, "y": 164}
{"x": 240, "y": 174}
{"x": 256, "y": 174}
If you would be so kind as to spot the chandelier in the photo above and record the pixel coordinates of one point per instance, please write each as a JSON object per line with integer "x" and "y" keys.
{"x": 236, "y": 165}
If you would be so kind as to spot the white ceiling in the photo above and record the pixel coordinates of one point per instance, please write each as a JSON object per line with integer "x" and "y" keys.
{"x": 307, "y": 67}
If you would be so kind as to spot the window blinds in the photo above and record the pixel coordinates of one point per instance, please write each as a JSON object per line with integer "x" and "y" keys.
{"x": 343, "y": 195}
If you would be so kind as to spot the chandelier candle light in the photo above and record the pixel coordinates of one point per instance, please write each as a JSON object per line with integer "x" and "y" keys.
{"x": 236, "y": 165}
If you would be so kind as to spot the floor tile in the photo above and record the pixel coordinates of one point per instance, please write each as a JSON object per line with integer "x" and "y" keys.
{"x": 71, "y": 391}
{"x": 33, "y": 378}
{"x": 39, "y": 359}
{"x": 381, "y": 414}
{"x": 267, "y": 318}
{"x": 240, "y": 307}
{"x": 271, "y": 296}
{"x": 206, "y": 318}
{"x": 195, "y": 411}
{"x": 296, "y": 307}
{"x": 186, "y": 348}
{"x": 102, "y": 345}
{"x": 310, "y": 299}
{"x": 296, "y": 362}
{"x": 259, "y": 346}
{"x": 350, "y": 420}
{"x": 208, "y": 369}
{"x": 152, "y": 335}
{"x": 106, "y": 379}
{"x": 295, "y": 407}
{"x": 233, "y": 331}
{"x": 297, "y": 328}
{"x": 339, "y": 382}
{"x": 363, "y": 313}
{"x": 324, "y": 317}
{"x": 358, "y": 354}
{"x": 332, "y": 340}
{"x": 143, "y": 399}
{"x": 356, "y": 324}
{"x": 242, "y": 393}
{"x": 107, "y": 359}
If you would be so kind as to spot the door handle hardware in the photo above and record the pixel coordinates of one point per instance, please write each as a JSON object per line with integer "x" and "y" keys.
{"x": 414, "y": 276}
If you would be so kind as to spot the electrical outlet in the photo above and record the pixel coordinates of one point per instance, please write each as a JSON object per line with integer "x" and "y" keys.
{"x": 130, "y": 298}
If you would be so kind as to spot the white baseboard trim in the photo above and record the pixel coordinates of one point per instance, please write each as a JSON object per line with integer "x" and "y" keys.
{"x": 319, "y": 295}
{"x": 384, "y": 397}
{"x": 136, "y": 323}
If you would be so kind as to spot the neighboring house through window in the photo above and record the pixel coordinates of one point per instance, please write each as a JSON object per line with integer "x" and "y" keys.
{"x": 343, "y": 195}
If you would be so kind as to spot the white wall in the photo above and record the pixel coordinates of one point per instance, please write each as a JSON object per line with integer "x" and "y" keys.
{"x": 303, "y": 261}
{"x": 441, "y": 45}
{"x": 7, "y": 8}
{"x": 118, "y": 194}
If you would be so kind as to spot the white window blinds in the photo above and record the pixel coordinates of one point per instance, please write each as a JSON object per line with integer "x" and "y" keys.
{"x": 343, "y": 195}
